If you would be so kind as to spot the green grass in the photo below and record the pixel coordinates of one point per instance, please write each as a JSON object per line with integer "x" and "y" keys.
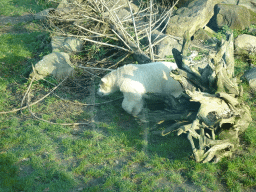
{"x": 170, "y": 58}
{"x": 221, "y": 33}
{"x": 16, "y": 56}
{"x": 18, "y": 7}
{"x": 115, "y": 153}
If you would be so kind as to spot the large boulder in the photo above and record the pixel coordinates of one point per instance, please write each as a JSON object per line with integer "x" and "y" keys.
{"x": 233, "y": 16}
{"x": 253, "y": 17}
{"x": 56, "y": 64}
{"x": 196, "y": 15}
{"x": 249, "y": 4}
{"x": 245, "y": 44}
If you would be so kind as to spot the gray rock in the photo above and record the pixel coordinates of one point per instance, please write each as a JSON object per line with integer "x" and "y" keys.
{"x": 64, "y": 7}
{"x": 252, "y": 84}
{"x": 56, "y": 64}
{"x": 245, "y": 44}
{"x": 182, "y": 3}
{"x": 250, "y": 76}
{"x": 123, "y": 14}
{"x": 252, "y": 31}
{"x": 233, "y": 2}
{"x": 63, "y": 4}
{"x": 163, "y": 44}
{"x": 165, "y": 47}
{"x": 66, "y": 44}
{"x": 253, "y": 17}
{"x": 43, "y": 14}
{"x": 204, "y": 35}
{"x": 191, "y": 18}
{"x": 234, "y": 16}
{"x": 249, "y": 4}
{"x": 122, "y": 8}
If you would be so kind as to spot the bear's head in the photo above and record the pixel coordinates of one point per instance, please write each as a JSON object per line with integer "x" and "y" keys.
{"x": 107, "y": 86}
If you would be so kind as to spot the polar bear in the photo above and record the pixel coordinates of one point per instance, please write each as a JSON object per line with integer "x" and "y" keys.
{"x": 136, "y": 80}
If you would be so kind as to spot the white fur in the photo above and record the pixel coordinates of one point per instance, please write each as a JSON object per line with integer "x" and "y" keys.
{"x": 136, "y": 80}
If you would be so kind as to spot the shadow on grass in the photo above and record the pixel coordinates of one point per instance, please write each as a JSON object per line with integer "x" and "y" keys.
{"x": 138, "y": 134}
{"x": 33, "y": 178}
{"x": 19, "y": 51}
{"x": 21, "y": 7}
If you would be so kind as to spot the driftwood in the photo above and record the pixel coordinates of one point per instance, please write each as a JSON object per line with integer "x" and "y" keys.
{"x": 222, "y": 115}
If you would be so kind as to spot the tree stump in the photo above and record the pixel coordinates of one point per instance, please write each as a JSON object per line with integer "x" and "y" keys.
{"x": 222, "y": 115}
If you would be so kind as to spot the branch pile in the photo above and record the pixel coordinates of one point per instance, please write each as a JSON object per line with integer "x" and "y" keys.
{"x": 120, "y": 25}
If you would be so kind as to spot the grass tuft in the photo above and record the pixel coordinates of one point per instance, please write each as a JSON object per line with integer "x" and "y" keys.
{"x": 17, "y": 7}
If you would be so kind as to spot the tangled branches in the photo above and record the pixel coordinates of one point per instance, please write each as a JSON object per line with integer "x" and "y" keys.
{"x": 122, "y": 26}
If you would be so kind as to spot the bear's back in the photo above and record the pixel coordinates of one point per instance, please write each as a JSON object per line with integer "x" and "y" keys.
{"x": 151, "y": 77}
{"x": 137, "y": 71}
